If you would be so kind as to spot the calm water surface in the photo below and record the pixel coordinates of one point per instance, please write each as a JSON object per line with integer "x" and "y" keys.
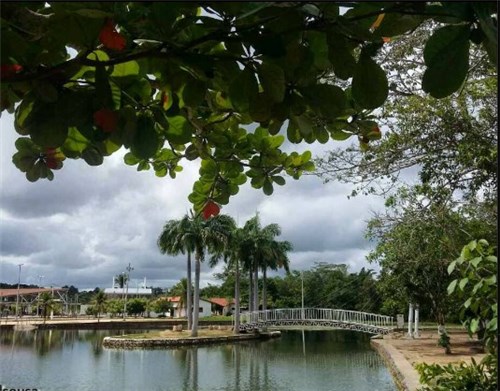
{"x": 63, "y": 360}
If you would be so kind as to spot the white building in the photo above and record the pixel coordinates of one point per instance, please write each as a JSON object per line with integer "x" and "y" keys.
{"x": 179, "y": 307}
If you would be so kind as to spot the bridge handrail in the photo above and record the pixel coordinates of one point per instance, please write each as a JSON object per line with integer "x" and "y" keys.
{"x": 318, "y": 314}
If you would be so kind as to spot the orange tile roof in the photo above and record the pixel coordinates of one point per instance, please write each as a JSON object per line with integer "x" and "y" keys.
{"x": 220, "y": 301}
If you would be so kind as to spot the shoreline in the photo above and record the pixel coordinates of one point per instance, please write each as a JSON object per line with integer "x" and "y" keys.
{"x": 405, "y": 376}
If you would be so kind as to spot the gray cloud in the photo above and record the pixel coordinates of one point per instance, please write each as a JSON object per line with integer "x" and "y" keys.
{"x": 89, "y": 223}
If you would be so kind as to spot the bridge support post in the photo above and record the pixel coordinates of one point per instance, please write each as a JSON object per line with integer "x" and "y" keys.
{"x": 416, "y": 334}
{"x": 410, "y": 320}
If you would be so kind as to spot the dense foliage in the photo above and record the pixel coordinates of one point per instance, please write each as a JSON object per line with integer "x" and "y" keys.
{"x": 174, "y": 81}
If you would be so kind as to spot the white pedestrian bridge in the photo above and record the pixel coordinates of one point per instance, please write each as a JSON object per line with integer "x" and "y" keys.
{"x": 325, "y": 318}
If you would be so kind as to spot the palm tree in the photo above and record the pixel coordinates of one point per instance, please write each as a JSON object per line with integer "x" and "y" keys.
{"x": 276, "y": 257}
{"x": 174, "y": 239}
{"x": 196, "y": 235}
{"x": 262, "y": 247}
{"x": 236, "y": 253}
{"x": 100, "y": 304}
{"x": 46, "y": 303}
{"x": 121, "y": 280}
{"x": 181, "y": 289}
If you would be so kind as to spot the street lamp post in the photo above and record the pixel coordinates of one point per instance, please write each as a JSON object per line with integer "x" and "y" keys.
{"x": 129, "y": 269}
{"x": 302, "y": 277}
{"x": 38, "y": 302}
{"x": 18, "y": 284}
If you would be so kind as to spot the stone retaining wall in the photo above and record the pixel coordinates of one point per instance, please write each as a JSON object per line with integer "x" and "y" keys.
{"x": 405, "y": 376}
{"x": 131, "y": 343}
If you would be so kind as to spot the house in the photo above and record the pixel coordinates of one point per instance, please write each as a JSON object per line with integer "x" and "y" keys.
{"x": 221, "y": 306}
{"x": 179, "y": 307}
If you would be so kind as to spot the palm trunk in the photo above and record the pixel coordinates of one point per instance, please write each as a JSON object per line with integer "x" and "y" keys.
{"x": 264, "y": 289}
{"x": 188, "y": 290}
{"x": 250, "y": 287}
{"x": 196, "y": 301}
{"x": 237, "y": 299}
{"x": 256, "y": 287}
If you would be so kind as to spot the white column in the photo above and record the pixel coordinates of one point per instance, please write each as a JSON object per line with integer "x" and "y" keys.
{"x": 410, "y": 320}
{"x": 415, "y": 332}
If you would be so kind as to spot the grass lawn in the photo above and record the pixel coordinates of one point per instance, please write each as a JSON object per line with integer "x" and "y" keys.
{"x": 170, "y": 334}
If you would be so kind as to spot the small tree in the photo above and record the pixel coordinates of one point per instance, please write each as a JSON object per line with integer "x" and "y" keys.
{"x": 100, "y": 304}
{"x": 47, "y": 304}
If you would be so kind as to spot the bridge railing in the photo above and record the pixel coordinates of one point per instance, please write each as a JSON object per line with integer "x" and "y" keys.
{"x": 317, "y": 314}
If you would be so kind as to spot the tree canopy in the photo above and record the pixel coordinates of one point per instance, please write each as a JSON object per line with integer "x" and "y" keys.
{"x": 175, "y": 81}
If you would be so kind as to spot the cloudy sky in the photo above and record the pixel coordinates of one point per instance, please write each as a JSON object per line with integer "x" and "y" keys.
{"x": 89, "y": 222}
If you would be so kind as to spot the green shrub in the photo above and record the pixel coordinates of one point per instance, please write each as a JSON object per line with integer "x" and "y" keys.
{"x": 461, "y": 377}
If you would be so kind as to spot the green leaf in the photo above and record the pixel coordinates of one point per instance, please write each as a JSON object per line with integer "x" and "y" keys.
{"x": 129, "y": 68}
{"x": 446, "y": 55}
{"x": 180, "y": 130}
{"x": 304, "y": 124}
{"x": 131, "y": 159}
{"x": 146, "y": 140}
{"x": 474, "y": 325}
{"x": 463, "y": 283}
{"x": 243, "y": 90}
{"x": 49, "y": 133}
{"x": 268, "y": 187}
{"x": 293, "y": 133}
{"x": 451, "y": 287}
{"x": 452, "y": 266}
{"x": 397, "y": 24}
{"x": 476, "y": 261}
{"x": 193, "y": 93}
{"x": 279, "y": 180}
{"x": 369, "y": 84}
{"x": 340, "y": 55}
{"x": 326, "y": 99}
{"x": 273, "y": 81}
{"x": 92, "y": 156}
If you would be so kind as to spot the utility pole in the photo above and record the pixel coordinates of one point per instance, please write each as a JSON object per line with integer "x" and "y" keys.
{"x": 18, "y": 283}
{"x": 129, "y": 268}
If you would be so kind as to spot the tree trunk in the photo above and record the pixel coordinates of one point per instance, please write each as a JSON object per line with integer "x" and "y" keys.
{"x": 196, "y": 301}
{"x": 256, "y": 287}
{"x": 237, "y": 299}
{"x": 188, "y": 294}
{"x": 250, "y": 293}
{"x": 264, "y": 289}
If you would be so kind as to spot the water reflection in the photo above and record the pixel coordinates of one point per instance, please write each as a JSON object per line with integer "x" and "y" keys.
{"x": 298, "y": 360}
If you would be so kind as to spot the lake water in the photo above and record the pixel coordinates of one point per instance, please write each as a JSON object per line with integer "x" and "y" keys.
{"x": 299, "y": 360}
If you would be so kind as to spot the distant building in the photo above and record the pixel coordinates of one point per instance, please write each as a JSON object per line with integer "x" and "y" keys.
{"x": 117, "y": 292}
{"x": 132, "y": 292}
{"x": 221, "y": 306}
{"x": 179, "y": 307}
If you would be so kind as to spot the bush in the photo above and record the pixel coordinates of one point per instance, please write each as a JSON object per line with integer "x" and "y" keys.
{"x": 462, "y": 377}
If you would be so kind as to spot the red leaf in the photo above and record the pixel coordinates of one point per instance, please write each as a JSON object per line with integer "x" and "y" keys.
{"x": 111, "y": 38}
{"x": 210, "y": 209}
{"x": 9, "y": 70}
{"x": 106, "y": 119}
{"x": 52, "y": 163}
